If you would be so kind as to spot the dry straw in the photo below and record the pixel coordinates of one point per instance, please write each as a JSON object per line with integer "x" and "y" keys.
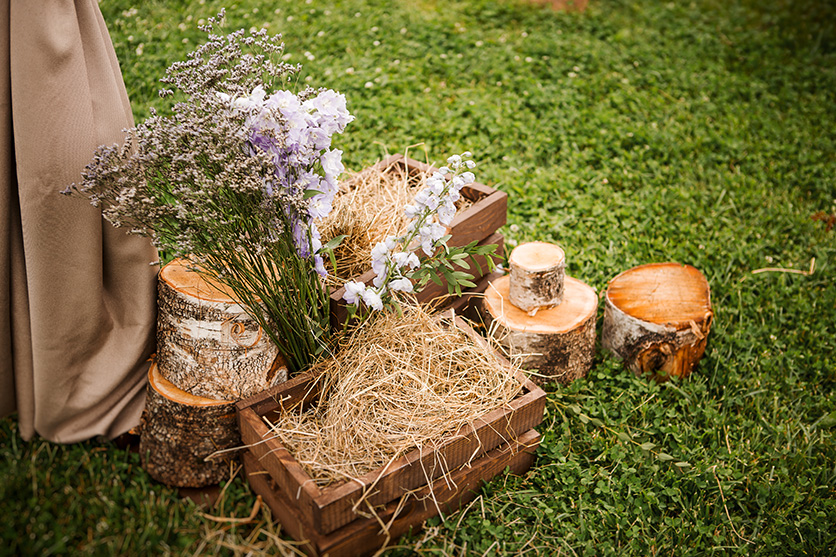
{"x": 396, "y": 384}
{"x": 369, "y": 207}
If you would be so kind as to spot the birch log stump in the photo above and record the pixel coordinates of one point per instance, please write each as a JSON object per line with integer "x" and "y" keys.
{"x": 207, "y": 345}
{"x": 558, "y": 342}
{"x": 179, "y": 430}
{"x": 537, "y": 271}
{"x": 657, "y": 318}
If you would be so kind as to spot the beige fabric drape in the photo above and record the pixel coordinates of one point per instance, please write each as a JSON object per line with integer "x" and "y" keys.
{"x": 77, "y": 296}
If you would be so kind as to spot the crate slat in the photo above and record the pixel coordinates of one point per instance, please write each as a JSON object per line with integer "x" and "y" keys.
{"x": 331, "y": 507}
{"x": 364, "y": 536}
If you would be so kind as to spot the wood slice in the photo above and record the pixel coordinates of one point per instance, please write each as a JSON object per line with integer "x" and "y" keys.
{"x": 537, "y": 270}
{"x": 657, "y": 318}
{"x": 558, "y": 342}
{"x": 179, "y": 430}
{"x": 207, "y": 344}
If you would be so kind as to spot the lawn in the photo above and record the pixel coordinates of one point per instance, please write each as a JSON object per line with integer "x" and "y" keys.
{"x": 642, "y": 131}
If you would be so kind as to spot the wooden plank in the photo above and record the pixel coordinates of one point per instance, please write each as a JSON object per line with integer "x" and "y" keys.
{"x": 467, "y": 305}
{"x": 329, "y": 508}
{"x": 364, "y": 536}
{"x": 293, "y": 391}
{"x": 262, "y": 444}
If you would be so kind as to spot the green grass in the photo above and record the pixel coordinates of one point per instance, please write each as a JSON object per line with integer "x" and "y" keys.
{"x": 641, "y": 131}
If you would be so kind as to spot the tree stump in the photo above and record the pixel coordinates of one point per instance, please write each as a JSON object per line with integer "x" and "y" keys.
{"x": 657, "y": 318}
{"x": 179, "y": 430}
{"x": 537, "y": 270}
{"x": 559, "y": 342}
{"x": 207, "y": 344}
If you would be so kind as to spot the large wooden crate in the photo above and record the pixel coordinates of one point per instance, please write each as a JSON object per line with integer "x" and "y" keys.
{"x": 329, "y": 508}
{"x": 365, "y": 535}
{"x": 479, "y": 222}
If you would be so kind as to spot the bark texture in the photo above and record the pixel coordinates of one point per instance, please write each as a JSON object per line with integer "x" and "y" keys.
{"x": 207, "y": 345}
{"x": 179, "y": 430}
{"x": 537, "y": 274}
{"x": 559, "y": 342}
{"x": 657, "y": 318}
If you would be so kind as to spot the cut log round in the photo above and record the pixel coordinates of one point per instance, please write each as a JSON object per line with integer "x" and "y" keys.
{"x": 179, "y": 430}
{"x": 657, "y": 318}
{"x": 207, "y": 345}
{"x": 558, "y": 342}
{"x": 537, "y": 271}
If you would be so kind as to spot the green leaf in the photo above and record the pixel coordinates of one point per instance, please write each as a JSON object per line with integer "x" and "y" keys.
{"x": 334, "y": 242}
{"x": 664, "y": 457}
{"x": 624, "y": 437}
{"x": 683, "y": 464}
{"x": 462, "y": 262}
{"x": 647, "y": 446}
{"x": 310, "y": 193}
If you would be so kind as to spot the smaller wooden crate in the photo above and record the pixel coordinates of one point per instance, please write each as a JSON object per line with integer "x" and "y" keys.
{"x": 364, "y": 536}
{"x": 478, "y": 223}
{"x": 329, "y": 508}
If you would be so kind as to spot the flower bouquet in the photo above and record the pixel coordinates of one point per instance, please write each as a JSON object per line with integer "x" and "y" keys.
{"x": 236, "y": 179}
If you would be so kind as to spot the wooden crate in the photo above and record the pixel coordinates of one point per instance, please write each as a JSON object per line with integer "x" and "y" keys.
{"x": 364, "y": 536}
{"x": 329, "y": 508}
{"x": 478, "y": 223}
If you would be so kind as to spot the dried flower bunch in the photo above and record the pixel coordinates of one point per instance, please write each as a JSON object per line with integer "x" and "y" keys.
{"x": 234, "y": 179}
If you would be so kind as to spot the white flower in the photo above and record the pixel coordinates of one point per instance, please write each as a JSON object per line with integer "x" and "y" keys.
{"x": 446, "y": 212}
{"x": 436, "y": 183}
{"x": 403, "y": 259}
{"x": 354, "y": 292}
{"x": 411, "y": 211}
{"x": 372, "y": 299}
{"x": 455, "y": 161}
{"x": 412, "y": 261}
{"x": 379, "y": 256}
{"x": 401, "y": 284}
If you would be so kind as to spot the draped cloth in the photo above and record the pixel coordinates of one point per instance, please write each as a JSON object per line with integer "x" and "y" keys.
{"x": 77, "y": 296}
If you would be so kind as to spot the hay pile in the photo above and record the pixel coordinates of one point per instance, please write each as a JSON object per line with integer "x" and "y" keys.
{"x": 398, "y": 383}
{"x": 367, "y": 208}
